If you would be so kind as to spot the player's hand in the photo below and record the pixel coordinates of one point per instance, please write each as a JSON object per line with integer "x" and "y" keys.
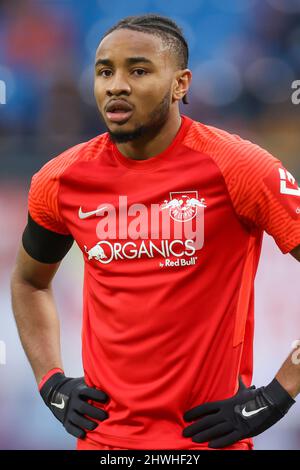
{"x": 248, "y": 413}
{"x": 67, "y": 399}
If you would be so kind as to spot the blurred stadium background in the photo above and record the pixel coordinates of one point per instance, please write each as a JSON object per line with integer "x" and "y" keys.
{"x": 245, "y": 55}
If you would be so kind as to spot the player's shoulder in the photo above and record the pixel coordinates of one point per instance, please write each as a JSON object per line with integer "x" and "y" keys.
{"x": 228, "y": 150}
{"x": 205, "y": 134}
{"x": 83, "y": 151}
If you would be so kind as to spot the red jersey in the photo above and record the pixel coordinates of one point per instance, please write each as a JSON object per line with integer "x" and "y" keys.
{"x": 170, "y": 248}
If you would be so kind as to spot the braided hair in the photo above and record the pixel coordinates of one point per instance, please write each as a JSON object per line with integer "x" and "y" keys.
{"x": 161, "y": 26}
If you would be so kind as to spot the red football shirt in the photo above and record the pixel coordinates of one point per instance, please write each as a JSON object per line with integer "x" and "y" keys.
{"x": 170, "y": 248}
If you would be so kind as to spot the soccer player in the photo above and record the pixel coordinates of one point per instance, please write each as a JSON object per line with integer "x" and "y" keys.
{"x": 169, "y": 214}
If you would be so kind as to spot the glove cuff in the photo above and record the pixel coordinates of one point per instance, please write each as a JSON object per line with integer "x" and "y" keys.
{"x": 52, "y": 385}
{"x": 48, "y": 375}
{"x": 279, "y": 396}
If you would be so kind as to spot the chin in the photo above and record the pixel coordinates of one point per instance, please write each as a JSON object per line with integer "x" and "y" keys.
{"x": 125, "y": 135}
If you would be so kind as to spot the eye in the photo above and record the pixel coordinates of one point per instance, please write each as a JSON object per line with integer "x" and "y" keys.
{"x": 140, "y": 72}
{"x": 104, "y": 72}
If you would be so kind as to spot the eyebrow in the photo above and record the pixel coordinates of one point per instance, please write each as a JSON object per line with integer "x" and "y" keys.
{"x": 128, "y": 61}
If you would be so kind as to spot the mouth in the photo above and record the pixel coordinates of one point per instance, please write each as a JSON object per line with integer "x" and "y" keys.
{"x": 119, "y": 111}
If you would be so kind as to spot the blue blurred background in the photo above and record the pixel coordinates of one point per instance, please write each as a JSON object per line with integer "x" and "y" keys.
{"x": 244, "y": 55}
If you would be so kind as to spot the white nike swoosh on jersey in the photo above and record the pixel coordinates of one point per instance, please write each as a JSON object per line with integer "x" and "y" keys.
{"x": 250, "y": 413}
{"x": 85, "y": 215}
{"x": 59, "y": 405}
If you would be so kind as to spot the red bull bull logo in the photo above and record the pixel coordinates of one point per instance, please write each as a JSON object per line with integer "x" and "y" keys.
{"x": 183, "y": 206}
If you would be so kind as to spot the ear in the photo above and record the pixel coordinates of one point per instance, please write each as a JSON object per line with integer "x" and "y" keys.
{"x": 182, "y": 83}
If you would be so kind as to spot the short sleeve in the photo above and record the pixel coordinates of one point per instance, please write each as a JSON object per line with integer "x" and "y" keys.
{"x": 266, "y": 194}
{"x": 43, "y": 205}
{"x": 43, "y": 198}
{"x": 46, "y": 237}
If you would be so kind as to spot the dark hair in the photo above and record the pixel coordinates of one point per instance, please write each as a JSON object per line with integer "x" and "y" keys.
{"x": 163, "y": 27}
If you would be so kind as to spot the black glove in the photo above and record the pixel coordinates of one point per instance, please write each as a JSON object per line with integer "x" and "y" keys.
{"x": 248, "y": 413}
{"x": 67, "y": 399}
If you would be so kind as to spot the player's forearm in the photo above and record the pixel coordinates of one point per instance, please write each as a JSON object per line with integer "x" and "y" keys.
{"x": 289, "y": 373}
{"x": 38, "y": 325}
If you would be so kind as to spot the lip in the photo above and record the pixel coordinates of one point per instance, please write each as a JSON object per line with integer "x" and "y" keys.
{"x": 121, "y": 105}
{"x": 118, "y": 111}
{"x": 119, "y": 117}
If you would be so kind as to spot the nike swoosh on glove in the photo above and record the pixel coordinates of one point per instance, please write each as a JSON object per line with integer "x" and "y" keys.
{"x": 248, "y": 413}
{"x": 67, "y": 399}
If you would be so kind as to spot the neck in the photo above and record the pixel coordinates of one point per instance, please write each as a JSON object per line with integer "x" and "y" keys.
{"x": 144, "y": 148}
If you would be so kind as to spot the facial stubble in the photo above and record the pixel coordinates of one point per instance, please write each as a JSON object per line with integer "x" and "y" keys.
{"x": 156, "y": 121}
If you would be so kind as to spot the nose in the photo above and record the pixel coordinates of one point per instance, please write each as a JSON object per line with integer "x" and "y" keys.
{"x": 118, "y": 85}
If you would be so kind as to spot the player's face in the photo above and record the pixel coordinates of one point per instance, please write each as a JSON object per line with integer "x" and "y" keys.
{"x": 134, "y": 76}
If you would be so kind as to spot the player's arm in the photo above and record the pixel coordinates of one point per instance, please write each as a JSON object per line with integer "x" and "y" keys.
{"x": 35, "y": 312}
{"x": 37, "y": 321}
{"x": 45, "y": 242}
